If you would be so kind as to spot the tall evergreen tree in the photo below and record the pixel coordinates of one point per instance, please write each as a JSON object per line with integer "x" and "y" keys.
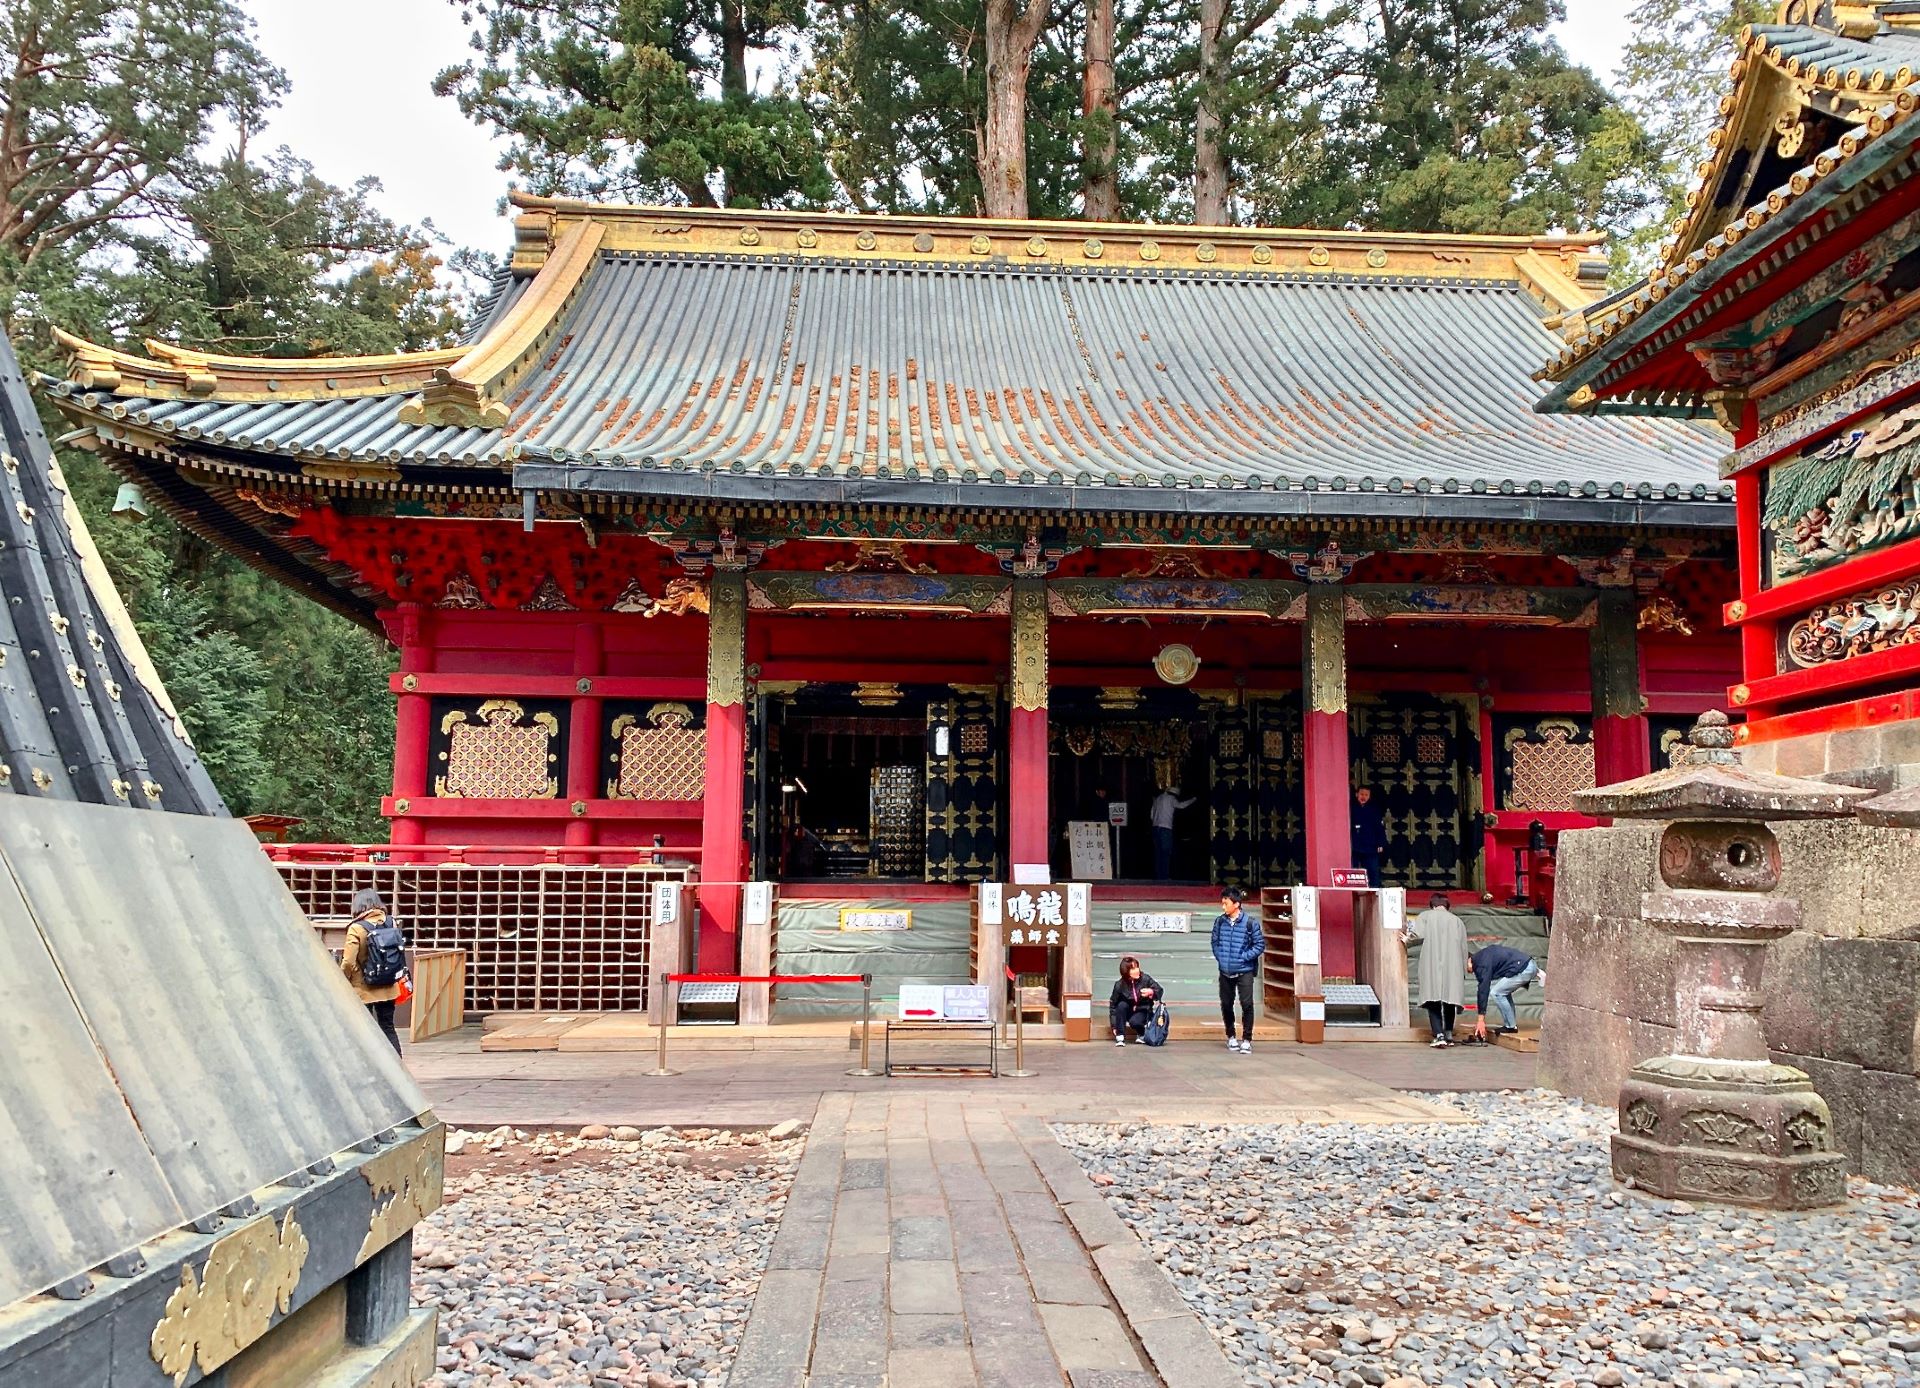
{"x": 642, "y": 100}
{"x": 118, "y": 227}
{"x": 1672, "y": 75}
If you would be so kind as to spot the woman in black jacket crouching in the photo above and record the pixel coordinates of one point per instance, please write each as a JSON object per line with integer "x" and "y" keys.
{"x": 1131, "y": 1003}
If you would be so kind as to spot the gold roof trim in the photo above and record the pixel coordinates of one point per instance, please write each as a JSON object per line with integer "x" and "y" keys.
{"x": 1145, "y": 247}
{"x": 1587, "y": 337}
{"x": 179, "y": 373}
{"x": 471, "y": 393}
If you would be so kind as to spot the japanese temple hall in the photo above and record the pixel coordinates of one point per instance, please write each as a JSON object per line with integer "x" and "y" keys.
{"x": 866, "y": 555}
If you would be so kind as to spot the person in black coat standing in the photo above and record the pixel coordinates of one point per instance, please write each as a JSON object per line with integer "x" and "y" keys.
{"x": 1130, "y": 1005}
{"x": 1369, "y": 834}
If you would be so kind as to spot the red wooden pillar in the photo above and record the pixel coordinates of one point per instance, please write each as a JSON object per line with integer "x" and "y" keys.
{"x": 1620, "y": 746}
{"x": 723, "y": 854}
{"x": 583, "y": 730}
{"x": 1329, "y": 830}
{"x": 1028, "y": 839}
{"x": 412, "y": 724}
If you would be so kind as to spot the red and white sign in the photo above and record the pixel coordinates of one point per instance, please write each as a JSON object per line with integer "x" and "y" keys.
{"x": 1349, "y": 877}
{"x": 1117, "y": 813}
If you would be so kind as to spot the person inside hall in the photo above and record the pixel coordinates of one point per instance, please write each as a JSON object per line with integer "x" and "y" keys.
{"x": 1238, "y": 947}
{"x": 1165, "y": 805}
{"x": 1130, "y": 1005}
{"x": 1369, "y": 834}
{"x": 1443, "y": 965}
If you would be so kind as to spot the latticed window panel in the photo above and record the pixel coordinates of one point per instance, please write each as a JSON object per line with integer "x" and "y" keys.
{"x": 1543, "y": 763}
{"x": 662, "y": 764}
{"x": 500, "y": 750}
{"x": 538, "y": 938}
{"x": 1383, "y": 749}
{"x": 1430, "y": 749}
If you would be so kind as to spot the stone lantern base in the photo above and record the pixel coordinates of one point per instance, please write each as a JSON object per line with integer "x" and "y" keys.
{"x": 1733, "y": 1132}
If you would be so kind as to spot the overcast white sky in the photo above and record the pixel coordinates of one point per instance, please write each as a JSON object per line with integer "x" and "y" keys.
{"x": 361, "y": 107}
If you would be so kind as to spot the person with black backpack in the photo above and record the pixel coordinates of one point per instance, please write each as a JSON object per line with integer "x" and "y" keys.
{"x": 375, "y": 959}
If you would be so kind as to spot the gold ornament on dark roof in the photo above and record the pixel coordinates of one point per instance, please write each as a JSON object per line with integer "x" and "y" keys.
{"x": 1036, "y": 245}
{"x": 865, "y": 241}
{"x": 1205, "y": 253}
{"x": 1263, "y": 254}
{"x": 1149, "y": 250}
{"x": 749, "y": 236}
{"x": 981, "y": 245}
{"x": 1093, "y": 250}
{"x": 807, "y": 238}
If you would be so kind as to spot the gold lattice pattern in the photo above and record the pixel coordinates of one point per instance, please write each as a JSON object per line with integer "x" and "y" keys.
{"x": 973, "y": 739}
{"x": 1548, "y": 772}
{"x": 1430, "y": 749}
{"x": 1384, "y": 749}
{"x": 1273, "y": 744}
{"x": 1233, "y": 742}
{"x": 662, "y": 759}
{"x": 500, "y": 757}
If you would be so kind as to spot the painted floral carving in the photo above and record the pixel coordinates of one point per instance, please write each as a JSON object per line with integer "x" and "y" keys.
{"x": 1856, "y": 626}
{"x": 1858, "y": 491}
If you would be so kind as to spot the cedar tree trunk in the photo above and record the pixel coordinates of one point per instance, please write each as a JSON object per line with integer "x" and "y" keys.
{"x": 1209, "y": 139}
{"x": 1013, "y": 27}
{"x": 1100, "y": 108}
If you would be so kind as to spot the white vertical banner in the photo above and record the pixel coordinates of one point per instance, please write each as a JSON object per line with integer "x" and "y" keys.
{"x": 1306, "y": 925}
{"x": 1393, "y": 909}
{"x": 666, "y": 903}
{"x": 1079, "y": 903}
{"x": 991, "y": 908}
{"x": 756, "y": 904}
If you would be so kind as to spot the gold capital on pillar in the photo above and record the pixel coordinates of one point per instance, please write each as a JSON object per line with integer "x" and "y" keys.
{"x": 727, "y": 639}
{"x": 1029, "y": 645}
{"x": 1326, "y": 648}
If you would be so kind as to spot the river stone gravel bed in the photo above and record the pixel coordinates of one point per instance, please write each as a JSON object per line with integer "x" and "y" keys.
{"x": 624, "y": 1257}
{"x": 1501, "y": 1253}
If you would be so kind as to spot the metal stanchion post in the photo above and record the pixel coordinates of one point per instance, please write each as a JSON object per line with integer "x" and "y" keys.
{"x": 866, "y": 1070}
{"x": 665, "y": 1016}
{"x": 1019, "y": 1070}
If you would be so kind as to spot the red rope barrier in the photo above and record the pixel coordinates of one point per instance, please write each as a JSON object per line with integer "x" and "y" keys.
{"x": 766, "y": 978}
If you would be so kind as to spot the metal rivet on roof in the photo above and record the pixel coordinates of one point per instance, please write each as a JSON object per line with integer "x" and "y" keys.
{"x": 272, "y": 384}
{"x": 1422, "y": 485}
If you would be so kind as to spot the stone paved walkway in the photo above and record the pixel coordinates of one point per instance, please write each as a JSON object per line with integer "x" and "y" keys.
{"x": 936, "y": 1232}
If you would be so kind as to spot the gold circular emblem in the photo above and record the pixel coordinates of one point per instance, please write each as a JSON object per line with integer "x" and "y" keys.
{"x": 1176, "y": 664}
{"x": 1036, "y": 245}
{"x": 1149, "y": 250}
{"x": 1377, "y": 258}
{"x": 402, "y": 806}
{"x": 981, "y": 245}
{"x": 579, "y": 807}
{"x": 1204, "y": 253}
{"x": 923, "y": 243}
{"x": 410, "y": 682}
{"x": 1319, "y": 255}
{"x": 1263, "y": 255}
{"x": 749, "y": 236}
{"x": 808, "y": 238}
{"x": 865, "y": 241}
{"x": 1093, "y": 250}
{"x": 1736, "y": 611}
{"x": 1740, "y": 693}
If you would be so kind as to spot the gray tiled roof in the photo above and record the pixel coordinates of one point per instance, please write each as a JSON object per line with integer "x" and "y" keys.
{"x": 82, "y": 714}
{"x": 684, "y": 362}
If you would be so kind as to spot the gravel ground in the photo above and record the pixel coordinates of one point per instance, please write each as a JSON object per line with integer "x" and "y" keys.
{"x": 625, "y": 1258}
{"x": 1501, "y": 1253}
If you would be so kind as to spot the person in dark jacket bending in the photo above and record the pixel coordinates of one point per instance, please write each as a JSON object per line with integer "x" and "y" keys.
{"x": 1131, "y": 1003}
{"x": 1238, "y": 947}
{"x": 1502, "y": 971}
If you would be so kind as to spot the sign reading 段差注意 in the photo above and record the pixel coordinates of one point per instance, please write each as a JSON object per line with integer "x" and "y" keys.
{"x": 1156, "y": 922}
{"x": 876, "y": 918}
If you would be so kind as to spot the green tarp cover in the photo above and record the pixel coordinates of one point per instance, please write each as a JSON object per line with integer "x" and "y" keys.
{"x": 809, "y": 940}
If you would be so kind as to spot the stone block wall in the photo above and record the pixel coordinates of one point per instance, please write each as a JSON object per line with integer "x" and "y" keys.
{"x": 1842, "y": 992}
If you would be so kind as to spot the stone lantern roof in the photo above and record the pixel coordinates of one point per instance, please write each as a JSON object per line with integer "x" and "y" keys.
{"x": 1708, "y": 782}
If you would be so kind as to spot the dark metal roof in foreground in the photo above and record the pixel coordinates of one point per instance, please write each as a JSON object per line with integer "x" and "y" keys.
{"x": 650, "y": 344}
{"x": 82, "y": 713}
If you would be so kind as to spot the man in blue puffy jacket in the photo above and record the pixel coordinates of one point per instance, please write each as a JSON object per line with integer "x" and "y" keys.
{"x": 1238, "y": 946}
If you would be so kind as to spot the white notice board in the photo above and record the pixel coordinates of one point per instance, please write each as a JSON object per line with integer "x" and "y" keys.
{"x": 1090, "y": 847}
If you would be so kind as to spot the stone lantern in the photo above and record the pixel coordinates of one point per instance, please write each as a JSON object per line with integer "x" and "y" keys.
{"x": 1719, "y": 1120}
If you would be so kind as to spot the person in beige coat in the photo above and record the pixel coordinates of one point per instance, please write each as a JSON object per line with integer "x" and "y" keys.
{"x": 369, "y": 913}
{"x": 1443, "y": 965}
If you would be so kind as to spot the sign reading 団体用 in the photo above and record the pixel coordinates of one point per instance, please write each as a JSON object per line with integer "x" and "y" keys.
{"x": 876, "y": 918}
{"x": 1156, "y": 922}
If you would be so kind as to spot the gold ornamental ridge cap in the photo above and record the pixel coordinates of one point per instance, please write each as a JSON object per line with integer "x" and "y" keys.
{"x": 1014, "y": 231}
{"x": 183, "y": 373}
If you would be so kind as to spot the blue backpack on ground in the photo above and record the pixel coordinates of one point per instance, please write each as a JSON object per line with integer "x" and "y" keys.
{"x": 1155, "y": 1032}
{"x": 386, "y": 955}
